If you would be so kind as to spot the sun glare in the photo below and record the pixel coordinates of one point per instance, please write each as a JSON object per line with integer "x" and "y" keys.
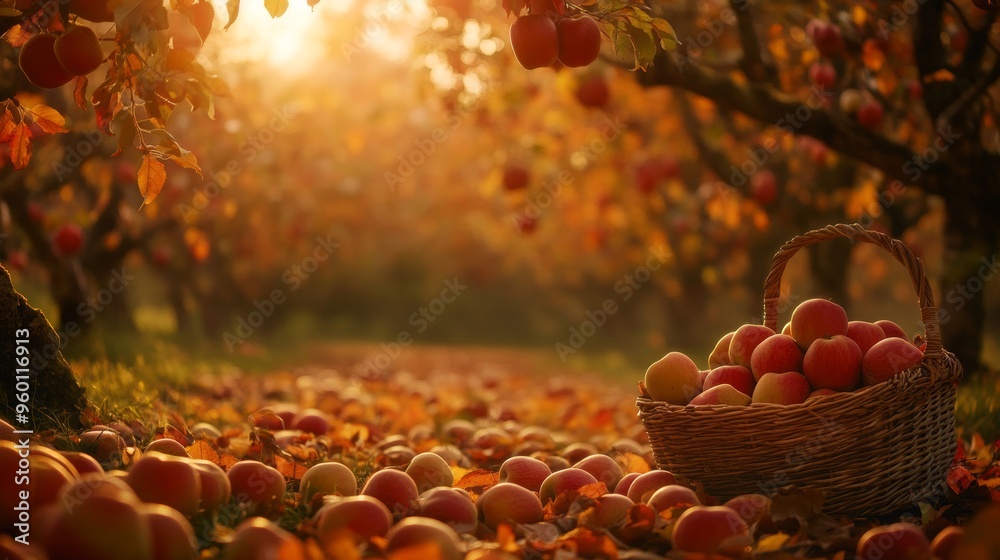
{"x": 304, "y": 36}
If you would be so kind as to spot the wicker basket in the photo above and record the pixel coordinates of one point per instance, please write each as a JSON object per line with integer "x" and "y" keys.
{"x": 873, "y": 451}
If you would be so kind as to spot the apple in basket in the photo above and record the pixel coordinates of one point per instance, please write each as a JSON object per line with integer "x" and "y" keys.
{"x": 672, "y": 379}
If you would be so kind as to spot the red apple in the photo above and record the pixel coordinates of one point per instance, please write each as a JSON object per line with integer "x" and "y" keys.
{"x": 865, "y": 334}
{"x": 394, "y": 488}
{"x": 515, "y": 178}
{"x": 104, "y": 445}
{"x": 429, "y": 470}
{"x": 891, "y": 329}
{"x": 603, "y": 468}
{"x": 817, "y": 318}
{"x": 312, "y": 421}
{"x": 625, "y": 483}
{"x": 721, "y": 394}
{"x": 826, "y": 36}
{"x": 833, "y": 363}
{"x": 782, "y": 388}
{"x": 870, "y": 114}
{"x": 899, "y": 541}
{"x": 720, "y": 354}
{"x": 524, "y": 471}
{"x": 173, "y": 536}
{"x": 509, "y": 503}
{"x": 99, "y": 518}
{"x": 889, "y": 357}
{"x": 647, "y": 483}
{"x": 566, "y": 480}
{"x": 579, "y": 41}
{"x": 257, "y": 484}
{"x": 593, "y": 92}
{"x": 764, "y": 187}
{"x": 215, "y": 486}
{"x": 672, "y": 379}
{"x": 363, "y": 516}
{"x": 672, "y": 496}
{"x": 427, "y": 535}
{"x": 453, "y": 506}
{"x": 83, "y": 463}
{"x": 823, "y": 75}
{"x": 257, "y": 539}
{"x": 535, "y": 41}
{"x": 706, "y": 530}
{"x": 776, "y": 354}
{"x": 946, "y": 542}
{"x": 821, "y": 393}
{"x": 167, "y": 480}
{"x": 745, "y": 340}
{"x": 68, "y": 240}
{"x": 576, "y": 452}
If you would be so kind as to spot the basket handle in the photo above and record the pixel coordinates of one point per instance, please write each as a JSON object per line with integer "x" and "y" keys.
{"x": 915, "y": 266}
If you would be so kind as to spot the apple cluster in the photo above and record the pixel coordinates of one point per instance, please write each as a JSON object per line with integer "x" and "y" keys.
{"x": 827, "y": 39}
{"x": 817, "y": 353}
{"x": 544, "y": 36}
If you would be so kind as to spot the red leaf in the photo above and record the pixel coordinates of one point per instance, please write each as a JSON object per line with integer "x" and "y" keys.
{"x": 960, "y": 479}
{"x": 80, "y": 92}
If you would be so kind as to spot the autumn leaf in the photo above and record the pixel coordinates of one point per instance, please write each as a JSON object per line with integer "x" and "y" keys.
{"x": 80, "y": 92}
{"x": 48, "y": 119}
{"x": 7, "y": 126}
{"x": 290, "y": 469}
{"x": 276, "y": 7}
{"x": 20, "y": 146}
{"x": 233, "y": 8}
{"x": 202, "y": 450}
{"x": 152, "y": 176}
{"x": 478, "y": 481}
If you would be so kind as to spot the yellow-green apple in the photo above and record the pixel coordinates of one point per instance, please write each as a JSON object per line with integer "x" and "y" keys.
{"x": 785, "y": 388}
{"x": 946, "y": 542}
{"x": 429, "y": 470}
{"x": 260, "y": 486}
{"x": 647, "y": 483}
{"x": 889, "y": 357}
{"x": 745, "y": 340}
{"x": 167, "y": 446}
{"x": 562, "y": 481}
{"x": 215, "y": 487}
{"x": 865, "y": 334}
{"x": 899, "y": 541}
{"x": 891, "y": 329}
{"x": 173, "y": 536}
{"x": 509, "y": 503}
{"x": 453, "y": 506}
{"x": 775, "y": 354}
{"x": 363, "y": 517}
{"x": 833, "y": 363}
{"x": 751, "y": 507}
{"x": 426, "y": 535}
{"x": 329, "y": 478}
{"x": 625, "y": 483}
{"x": 603, "y": 468}
{"x": 672, "y": 496}
{"x": 738, "y": 376}
{"x": 720, "y": 354}
{"x": 394, "y": 488}
{"x": 524, "y": 471}
{"x": 817, "y": 318}
{"x": 721, "y": 394}
{"x": 259, "y": 538}
{"x": 706, "y": 529}
{"x": 100, "y": 518}
{"x": 610, "y": 510}
{"x": 672, "y": 379}
{"x": 164, "y": 479}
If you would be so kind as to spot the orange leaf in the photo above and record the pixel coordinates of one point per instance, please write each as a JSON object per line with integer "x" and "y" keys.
{"x": 478, "y": 481}
{"x": 632, "y": 463}
{"x": 6, "y": 126}
{"x": 80, "y": 92}
{"x": 152, "y": 176}
{"x": 290, "y": 469}
{"x": 48, "y": 119}
{"x": 202, "y": 450}
{"x": 20, "y": 146}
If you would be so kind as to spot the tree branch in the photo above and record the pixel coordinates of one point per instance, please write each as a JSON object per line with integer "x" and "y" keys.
{"x": 757, "y": 63}
{"x": 788, "y": 113}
